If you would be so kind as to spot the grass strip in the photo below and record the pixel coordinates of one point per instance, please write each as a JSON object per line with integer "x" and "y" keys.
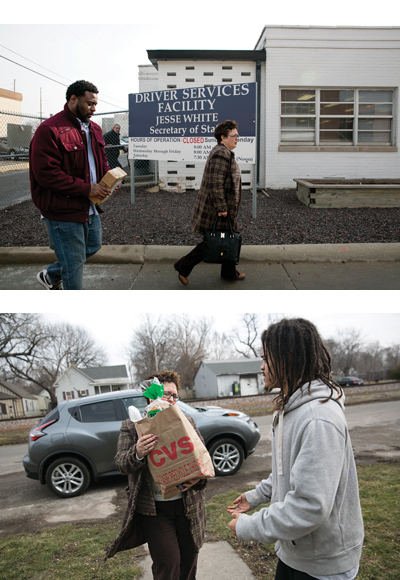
{"x": 77, "y": 551}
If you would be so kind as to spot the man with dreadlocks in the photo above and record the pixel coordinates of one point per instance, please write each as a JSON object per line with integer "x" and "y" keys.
{"x": 314, "y": 514}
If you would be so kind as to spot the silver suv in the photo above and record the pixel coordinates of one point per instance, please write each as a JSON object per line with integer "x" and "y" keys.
{"x": 76, "y": 442}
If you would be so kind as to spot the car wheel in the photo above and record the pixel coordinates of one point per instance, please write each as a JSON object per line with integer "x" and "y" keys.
{"x": 347, "y": 385}
{"x": 227, "y": 456}
{"x": 68, "y": 477}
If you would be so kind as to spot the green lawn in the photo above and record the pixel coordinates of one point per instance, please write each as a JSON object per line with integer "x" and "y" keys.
{"x": 77, "y": 551}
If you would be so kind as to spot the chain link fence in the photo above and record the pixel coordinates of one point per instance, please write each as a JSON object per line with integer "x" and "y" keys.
{"x": 17, "y": 131}
{"x": 116, "y": 126}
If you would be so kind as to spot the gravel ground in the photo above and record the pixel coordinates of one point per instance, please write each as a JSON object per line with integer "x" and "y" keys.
{"x": 163, "y": 219}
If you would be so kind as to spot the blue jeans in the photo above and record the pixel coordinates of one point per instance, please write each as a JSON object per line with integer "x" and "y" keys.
{"x": 72, "y": 243}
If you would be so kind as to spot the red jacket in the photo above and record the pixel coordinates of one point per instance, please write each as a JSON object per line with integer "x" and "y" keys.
{"x": 59, "y": 168}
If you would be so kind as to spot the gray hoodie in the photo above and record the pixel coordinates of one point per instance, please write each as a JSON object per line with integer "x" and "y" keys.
{"x": 315, "y": 513}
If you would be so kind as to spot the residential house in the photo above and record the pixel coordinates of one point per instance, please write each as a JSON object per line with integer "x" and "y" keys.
{"x": 76, "y": 382}
{"x": 15, "y": 401}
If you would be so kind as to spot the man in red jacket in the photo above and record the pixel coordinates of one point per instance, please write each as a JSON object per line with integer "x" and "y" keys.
{"x": 66, "y": 163}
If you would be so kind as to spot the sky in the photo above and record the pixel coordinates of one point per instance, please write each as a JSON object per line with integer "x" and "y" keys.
{"x": 114, "y": 332}
{"x": 110, "y": 41}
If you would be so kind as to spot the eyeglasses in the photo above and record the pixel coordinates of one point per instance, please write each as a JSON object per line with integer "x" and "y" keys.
{"x": 168, "y": 395}
{"x": 234, "y": 136}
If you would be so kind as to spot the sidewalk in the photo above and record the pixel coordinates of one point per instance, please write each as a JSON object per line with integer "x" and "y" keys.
{"x": 216, "y": 559}
{"x": 292, "y": 267}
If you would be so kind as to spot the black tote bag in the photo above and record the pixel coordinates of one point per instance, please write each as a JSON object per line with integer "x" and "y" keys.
{"x": 221, "y": 246}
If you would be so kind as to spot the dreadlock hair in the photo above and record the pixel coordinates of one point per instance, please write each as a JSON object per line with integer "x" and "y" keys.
{"x": 295, "y": 355}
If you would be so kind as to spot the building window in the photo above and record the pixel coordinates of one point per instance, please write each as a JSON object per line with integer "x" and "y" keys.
{"x": 171, "y": 74}
{"x": 226, "y": 67}
{"x": 171, "y": 86}
{"x": 208, "y": 74}
{"x": 189, "y": 80}
{"x": 337, "y": 117}
{"x": 245, "y": 74}
{"x": 226, "y": 80}
{"x": 190, "y": 68}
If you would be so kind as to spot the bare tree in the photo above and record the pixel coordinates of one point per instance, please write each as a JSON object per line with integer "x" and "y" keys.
{"x": 372, "y": 361}
{"x": 177, "y": 343}
{"x": 392, "y": 356}
{"x": 246, "y": 339}
{"x": 40, "y": 352}
{"x": 190, "y": 344}
{"x": 22, "y": 338}
{"x": 148, "y": 348}
{"x": 220, "y": 347}
{"x": 350, "y": 342}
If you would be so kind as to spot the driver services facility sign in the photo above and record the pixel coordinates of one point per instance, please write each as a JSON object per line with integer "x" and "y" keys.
{"x": 179, "y": 124}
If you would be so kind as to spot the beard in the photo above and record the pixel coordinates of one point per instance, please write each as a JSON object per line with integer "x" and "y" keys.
{"x": 79, "y": 113}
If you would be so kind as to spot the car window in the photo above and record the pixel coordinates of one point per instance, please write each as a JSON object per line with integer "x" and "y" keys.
{"x": 98, "y": 412}
{"x": 138, "y": 402}
{"x": 52, "y": 416}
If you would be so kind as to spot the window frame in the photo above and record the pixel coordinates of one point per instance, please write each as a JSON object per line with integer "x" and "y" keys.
{"x": 355, "y": 144}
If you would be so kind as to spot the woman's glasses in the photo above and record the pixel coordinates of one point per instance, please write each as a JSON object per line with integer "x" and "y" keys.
{"x": 168, "y": 395}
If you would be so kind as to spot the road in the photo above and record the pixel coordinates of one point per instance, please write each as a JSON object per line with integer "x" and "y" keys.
{"x": 14, "y": 185}
{"x": 26, "y": 505}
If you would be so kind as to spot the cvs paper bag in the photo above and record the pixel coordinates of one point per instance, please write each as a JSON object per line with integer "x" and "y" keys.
{"x": 179, "y": 455}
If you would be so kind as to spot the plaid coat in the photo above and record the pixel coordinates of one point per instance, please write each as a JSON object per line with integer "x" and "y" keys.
{"x": 141, "y": 499}
{"x": 217, "y": 192}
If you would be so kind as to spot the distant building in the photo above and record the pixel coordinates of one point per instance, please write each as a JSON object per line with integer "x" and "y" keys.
{"x": 224, "y": 378}
{"x": 75, "y": 382}
{"x": 15, "y": 401}
{"x": 10, "y": 102}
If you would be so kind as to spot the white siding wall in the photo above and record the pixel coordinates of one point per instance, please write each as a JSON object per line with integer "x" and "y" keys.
{"x": 205, "y": 382}
{"x": 325, "y": 57}
{"x": 225, "y": 383}
{"x": 189, "y": 174}
{"x": 73, "y": 381}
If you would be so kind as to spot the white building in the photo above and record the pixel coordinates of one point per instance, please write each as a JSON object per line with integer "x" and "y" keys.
{"x": 328, "y": 101}
{"x": 10, "y": 102}
{"x": 223, "y": 378}
{"x": 75, "y": 383}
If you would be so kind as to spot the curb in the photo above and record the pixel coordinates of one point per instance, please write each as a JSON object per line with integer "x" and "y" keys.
{"x": 131, "y": 254}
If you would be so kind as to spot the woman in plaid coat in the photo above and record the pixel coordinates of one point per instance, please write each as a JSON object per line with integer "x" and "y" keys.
{"x": 220, "y": 193}
{"x": 173, "y": 529}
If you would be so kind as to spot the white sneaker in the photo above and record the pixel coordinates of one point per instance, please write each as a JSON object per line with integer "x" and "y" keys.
{"x": 44, "y": 281}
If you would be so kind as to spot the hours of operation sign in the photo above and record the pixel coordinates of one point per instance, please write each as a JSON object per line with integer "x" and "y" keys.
{"x": 179, "y": 124}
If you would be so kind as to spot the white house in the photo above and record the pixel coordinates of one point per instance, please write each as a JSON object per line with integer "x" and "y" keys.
{"x": 223, "y": 378}
{"x": 328, "y": 101}
{"x": 15, "y": 401}
{"x": 75, "y": 382}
